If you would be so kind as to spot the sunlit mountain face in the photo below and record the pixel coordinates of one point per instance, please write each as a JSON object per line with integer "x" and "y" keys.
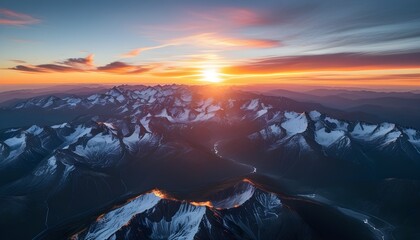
{"x": 196, "y": 120}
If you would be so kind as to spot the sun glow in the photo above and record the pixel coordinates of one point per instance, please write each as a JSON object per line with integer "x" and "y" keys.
{"x": 211, "y": 75}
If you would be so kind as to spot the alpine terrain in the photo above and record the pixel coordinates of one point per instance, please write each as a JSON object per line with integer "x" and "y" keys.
{"x": 202, "y": 162}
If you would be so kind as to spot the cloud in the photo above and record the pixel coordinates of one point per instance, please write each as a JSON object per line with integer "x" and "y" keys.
{"x": 9, "y": 17}
{"x": 57, "y": 68}
{"x": 226, "y": 19}
{"x": 69, "y": 65}
{"x": 219, "y": 24}
{"x": 229, "y": 16}
{"x": 327, "y": 62}
{"x": 82, "y": 65}
{"x": 241, "y": 17}
{"x": 214, "y": 40}
{"x": 210, "y": 41}
{"x": 24, "y": 68}
{"x": 122, "y": 68}
{"x": 137, "y": 51}
{"x": 18, "y": 61}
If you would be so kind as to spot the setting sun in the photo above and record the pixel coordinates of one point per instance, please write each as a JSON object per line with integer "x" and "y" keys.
{"x": 211, "y": 75}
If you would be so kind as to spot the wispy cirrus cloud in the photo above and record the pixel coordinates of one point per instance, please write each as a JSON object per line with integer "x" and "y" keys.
{"x": 85, "y": 64}
{"x": 18, "y": 61}
{"x": 223, "y": 29}
{"x": 9, "y": 17}
{"x": 210, "y": 40}
{"x": 137, "y": 51}
{"x": 242, "y": 17}
{"x": 225, "y": 19}
{"x": 214, "y": 40}
{"x": 327, "y": 62}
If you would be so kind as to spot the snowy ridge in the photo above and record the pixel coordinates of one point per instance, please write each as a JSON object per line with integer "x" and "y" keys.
{"x": 17, "y": 146}
{"x": 295, "y": 123}
{"x": 292, "y": 131}
{"x": 184, "y": 105}
{"x": 236, "y": 197}
{"x": 181, "y": 104}
{"x": 183, "y": 225}
{"x": 111, "y": 222}
{"x": 324, "y": 138}
{"x": 187, "y": 221}
{"x": 100, "y": 150}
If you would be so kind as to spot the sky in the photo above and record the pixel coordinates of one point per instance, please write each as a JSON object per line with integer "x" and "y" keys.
{"x": 358, "y": 43}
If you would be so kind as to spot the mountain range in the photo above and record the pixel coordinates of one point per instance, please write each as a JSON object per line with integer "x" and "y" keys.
{"x": 398, "y": 107}
{"x": 205, "y": 162}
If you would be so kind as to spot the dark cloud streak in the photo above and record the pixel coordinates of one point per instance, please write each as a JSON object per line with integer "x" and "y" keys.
{"x": 24, "y": 68}
{"x": 82, "y": 65}
{"x": 122, "y": 68}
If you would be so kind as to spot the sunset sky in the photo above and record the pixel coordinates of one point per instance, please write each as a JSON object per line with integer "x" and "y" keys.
{"x": 358, "y": 43}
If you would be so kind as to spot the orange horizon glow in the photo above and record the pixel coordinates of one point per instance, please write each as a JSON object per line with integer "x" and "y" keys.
{"x": 341, "y": 70}
{"x": 373, "y": 77}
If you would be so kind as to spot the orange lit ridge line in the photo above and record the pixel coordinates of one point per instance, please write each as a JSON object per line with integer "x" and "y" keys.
{"x": 117, "y": 206}
{"x": 156, "y": 192}
{"x": 161, "y": 194}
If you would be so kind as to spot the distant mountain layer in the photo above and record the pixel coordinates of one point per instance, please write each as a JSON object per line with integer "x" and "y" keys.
{"x": 180, "y": 162}
{"x": 398, "y": 107}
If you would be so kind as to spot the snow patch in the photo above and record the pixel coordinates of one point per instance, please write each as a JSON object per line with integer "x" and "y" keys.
{"x": 296, "y": 123}
{"x": 363, "y": 130}
{"x": 72, "y": 101}
{"x": 145, "y": 122}
{"x": 339, "y": 124}
{"x": 164, "y": 114}
{"x": 368, "y": 132}
{"x": 261, "y": 112}
{"x": 413, "y": 136}
{"x": 315, "y": 115}
{"x": 241, "y": 194}
{"x": 63, "y": 125}
{"x": 100, "y": 151}
{"x": 34, "y": 130}
{"x": 17, "y": 145}
{"x": 111, "y": 222}
{"x": 79, "y": 132}
{"x": 213, "y": 108}
{"x": 183, "y": 225}
{"x": 324, "y": 138}
{"x": 252, "y": 105}
{"x": 48, "y": 168}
